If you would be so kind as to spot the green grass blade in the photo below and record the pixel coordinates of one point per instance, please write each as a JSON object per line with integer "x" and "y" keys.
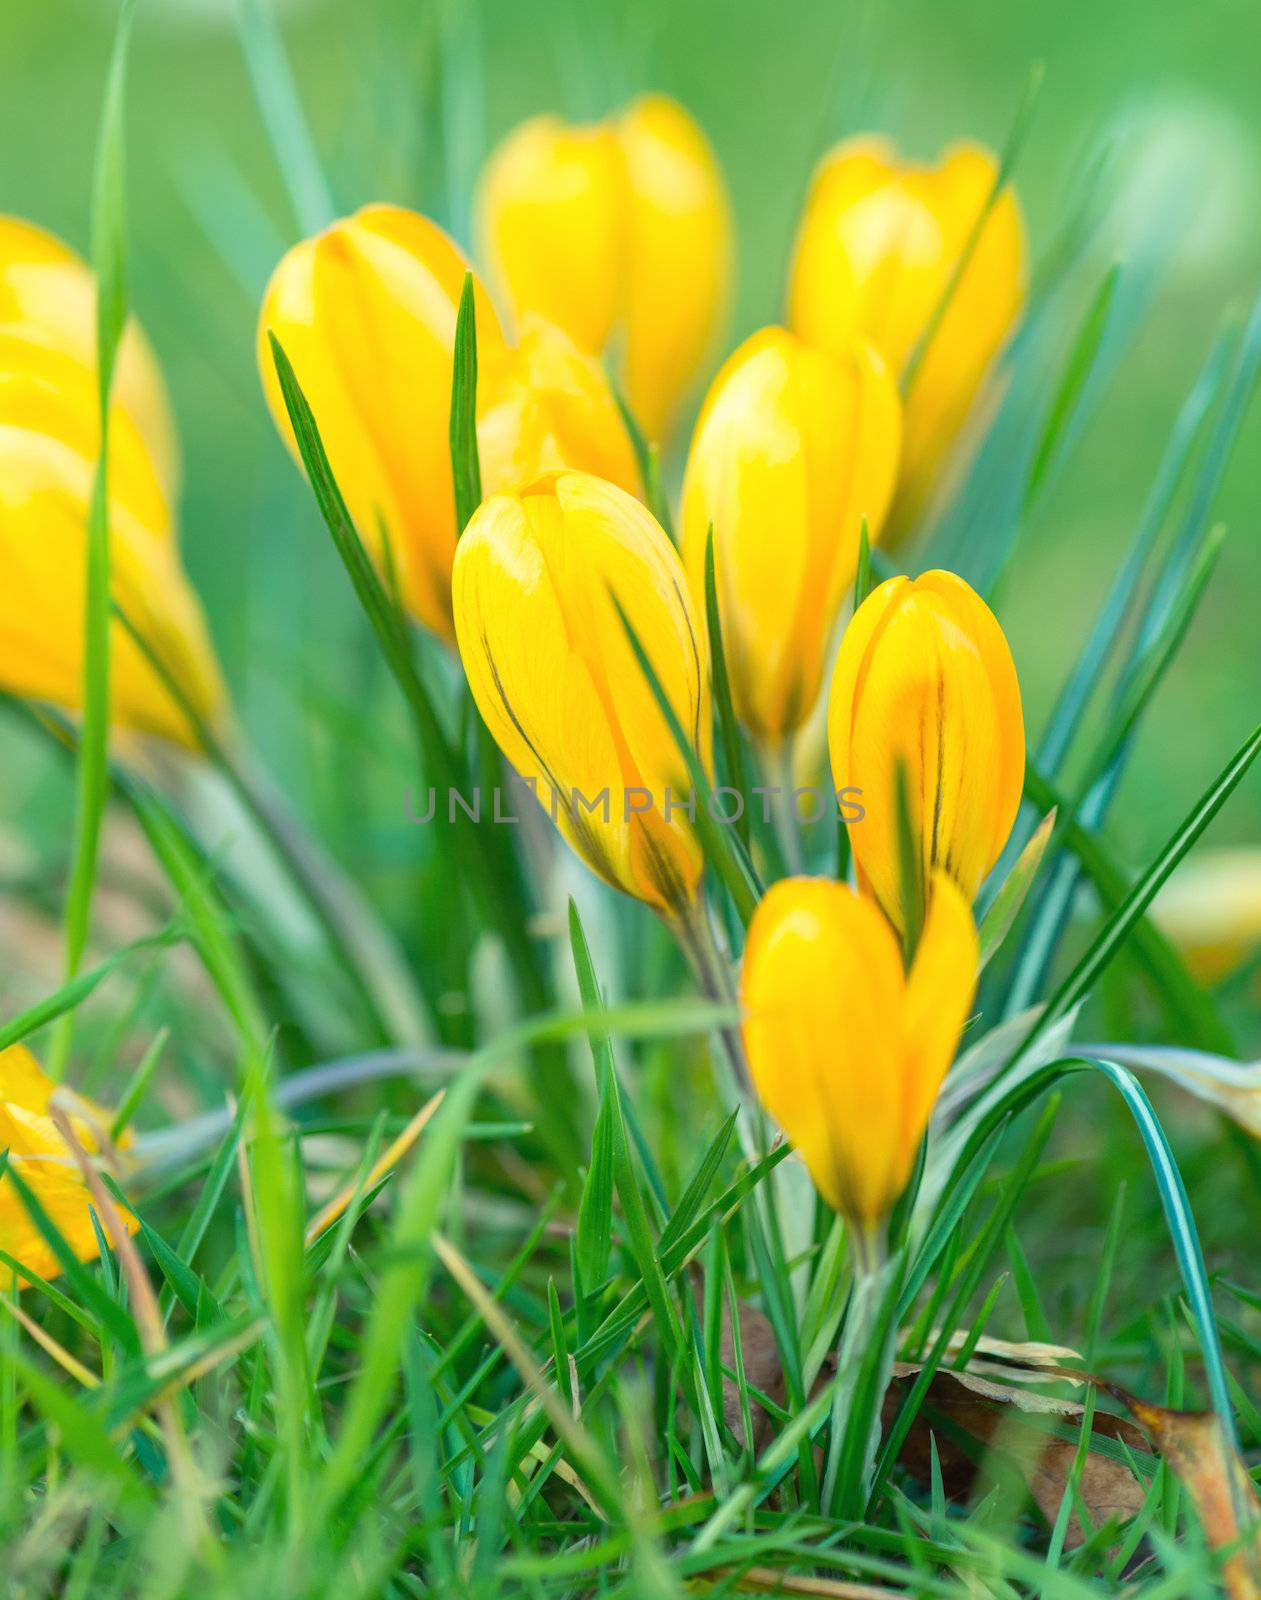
{"x": 1070, "y": 707}
{"x": 283, "y": 116}
{"x": 1073, "y": 381}
{"x": 109, "y": 259}
{"x": 1120, "y": 924}
{"x": 728, "y": 727}
{"x": 722, "y": 850}
{"x": 466, "y": 468}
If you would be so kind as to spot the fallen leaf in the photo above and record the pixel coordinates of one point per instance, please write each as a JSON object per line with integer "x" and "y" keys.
{"x": 999, "y": 1421}
{"x": 1207, "y": 1467}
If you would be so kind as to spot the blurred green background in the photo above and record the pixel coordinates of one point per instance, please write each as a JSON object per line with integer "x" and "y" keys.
{"x": 404, "y": 96}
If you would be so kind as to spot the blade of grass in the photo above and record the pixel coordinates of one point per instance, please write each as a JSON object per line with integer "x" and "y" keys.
{"x": 721, "y": 850}
{"x": 728, "y": 727}
{"x": 109, "y": 260}
{"x": 283, "y": 116}
{"x": 466, "y": 469}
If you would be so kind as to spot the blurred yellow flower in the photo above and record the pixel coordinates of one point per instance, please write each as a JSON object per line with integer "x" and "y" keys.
{"x": 49, "y": 439}
{"x": 366, "y": 312}
{"x": 1210, "y": 909}
{"x": 793, "y": 448}
{"x": 621, "y": 231}
{"x": 41, "y": 1156}
{"x": 878, "y": 241}
{"x": 537, "y": 574}
{"x": 48, "y": 299}
{"x": 846, "y": 1049}
{"x": 925, "y": 678}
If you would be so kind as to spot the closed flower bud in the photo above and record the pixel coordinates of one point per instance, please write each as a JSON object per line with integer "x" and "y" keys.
{"x": 924, "y": 680}
{"x": 847, "y": 1050}
{"x": 49, "y": 441}
{"x": 366, "y": 312}
{"x": 539, "y": 576}
{"x": 878, "y": 243}
{"x": 615, "y": 231}
{"x": 48, "y": 300}
{"x": 793, "y": 449}
{"x": 40, "y": 1155}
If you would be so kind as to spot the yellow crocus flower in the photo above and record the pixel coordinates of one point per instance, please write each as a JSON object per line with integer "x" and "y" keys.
{"x": 925, "y": 678}
{"x": 48, "y": 299}
{"x": 39, "y": 1153}
{"x": 366, "y": 312}
{"x": 49, "y": 441}
{"x": 878, "y": 242}
{"x": 846, "y": 1049}
{"x": 539, "y": 575}
{"x": 615, "y": 231}
{"x": 794, "y": 447}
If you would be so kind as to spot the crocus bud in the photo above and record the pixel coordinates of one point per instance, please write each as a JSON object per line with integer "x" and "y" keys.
{"x": 615, "y": 231}
{"x": 846, "y": 1049}
{"x": 366, "y": 312}
{"x": 48, "y": 299}
{"x": 539, "y": 576}
{"x": 48, "y": 449}
{"x": 877, "y": 246}
{"x": 924, "y": 681}
{"x": 41, "y": 1156}
{"x": 793, "y": 449}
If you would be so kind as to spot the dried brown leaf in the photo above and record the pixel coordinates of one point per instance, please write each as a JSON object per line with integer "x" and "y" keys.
{"x": 1206, "y": 1466}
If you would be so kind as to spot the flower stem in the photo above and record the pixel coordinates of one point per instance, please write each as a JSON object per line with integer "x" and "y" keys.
{"x": 695, "y": 936}
{"x": 864, "y": 1359}
{"x": 777, "y": 763}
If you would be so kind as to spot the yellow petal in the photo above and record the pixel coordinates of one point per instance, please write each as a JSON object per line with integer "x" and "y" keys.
{"x": 877, "y": 244}
{"x": 793, "y": 449}
{"x": 822, "y": 993}
{"x": 43, "y": 390}
{"x": 551, "y": 223}
{"x": 924, "y": 678}
{"x": 620, "y": 234}
{"x": 48, "y": 296}
{"x": 45, "y": 492}
{"x": 366, "y": 313}
{"x": 939, "y": 994}
{"x": 40, "y": 1154}
{"x": 555, "y": 677}
{"x": 678, "y": 266}
{"x": 546, "y": 405}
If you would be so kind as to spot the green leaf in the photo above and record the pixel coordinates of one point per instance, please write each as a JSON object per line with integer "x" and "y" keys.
{"x": 595, "y": 1210}
{"x": 728, "y": 727}
{"x": 466, "y": 468}
{"x": 109, "y": 259}
{"x": 83, "y": 1435}
{"x": 625, "y": 1176}
{"x": 721, "y": 848}
{"x": 1005, "y": 907}
{"x": 74, "y": 993}
{"x": 910, "y": 880}
{"x": 862, "y": 573}
{"x": 399, "y": 1289}
{"x": 1073, "y": 380}
{"x": 1119, "y": 925}
{"x": 78, "y": 1277}
{"x": 1107, "y": 630}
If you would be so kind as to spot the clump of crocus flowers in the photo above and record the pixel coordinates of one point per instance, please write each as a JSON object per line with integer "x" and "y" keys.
{"x": 581, "y": 629}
